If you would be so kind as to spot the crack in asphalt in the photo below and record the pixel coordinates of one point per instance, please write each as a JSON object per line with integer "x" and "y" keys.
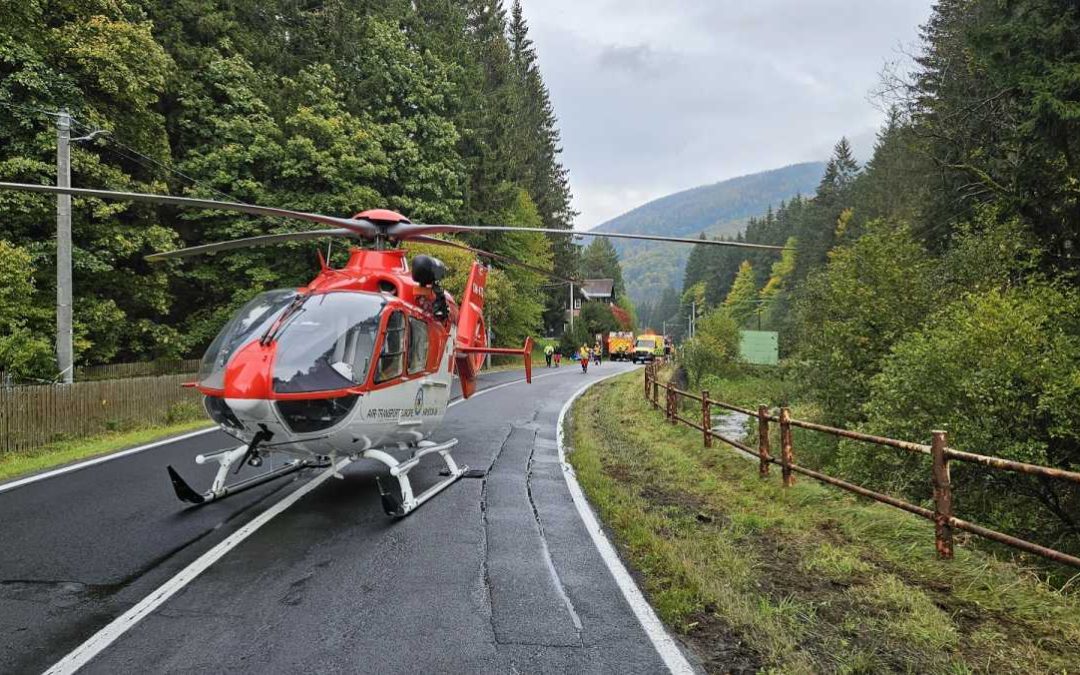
{"x": 543, "y": 542}
{"x": 485, "y": 574}
{"x": 548, "y": 560}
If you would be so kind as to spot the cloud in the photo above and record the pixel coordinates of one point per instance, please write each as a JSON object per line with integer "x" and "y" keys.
{"x": 656, "y": 97}
{"x": 636, "y": 60}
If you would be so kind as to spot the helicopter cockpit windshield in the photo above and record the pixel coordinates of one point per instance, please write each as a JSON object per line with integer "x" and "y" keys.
{"x": 328, "y": 343}
{"x": 249, "y": 322}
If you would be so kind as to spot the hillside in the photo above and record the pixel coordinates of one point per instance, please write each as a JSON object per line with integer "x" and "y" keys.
{"x": 720, "y": 208}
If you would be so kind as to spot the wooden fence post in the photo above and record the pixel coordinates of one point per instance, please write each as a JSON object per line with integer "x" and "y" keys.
{"x": 706, "y": 418}
{"x": 763, "y": 440}
{"x": 646, "y": 383}
{"x": 672, "y": 404}
{"x": 943, "y": 534}
{"x": 655, "y": 393}
{"x": 787, "y": 457}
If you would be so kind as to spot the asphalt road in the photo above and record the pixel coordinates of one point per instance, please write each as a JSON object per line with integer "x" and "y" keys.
{"x": 493, "y": 575}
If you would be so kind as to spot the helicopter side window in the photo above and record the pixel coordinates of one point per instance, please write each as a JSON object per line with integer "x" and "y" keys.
{"x": 393, "y": 352}
{"x": 418, "y": 346}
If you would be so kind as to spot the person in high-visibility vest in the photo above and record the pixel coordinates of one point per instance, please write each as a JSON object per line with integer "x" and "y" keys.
{"x": 583, "y": 357}
{"x": 549, "y": 351}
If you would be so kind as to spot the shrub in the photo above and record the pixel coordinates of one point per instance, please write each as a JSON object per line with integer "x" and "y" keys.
{"x": 850, "y": 313}
{"x": 998, "y": 370}
{"x": 714, "y": 348}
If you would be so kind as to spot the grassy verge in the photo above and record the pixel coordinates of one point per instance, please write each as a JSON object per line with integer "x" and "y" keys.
{"x": 810, "y": 579}
{"x": 17, "y": 464}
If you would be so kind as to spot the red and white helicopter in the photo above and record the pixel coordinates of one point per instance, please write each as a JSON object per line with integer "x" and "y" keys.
{"x": 358, "y": 363}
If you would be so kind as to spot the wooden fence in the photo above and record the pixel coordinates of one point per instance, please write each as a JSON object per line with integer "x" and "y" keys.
{"x": 939, "y": 451}
{"x": 33, "y": 416}
{"x": 139, "y": 369}
{"x": 112, "y": 371}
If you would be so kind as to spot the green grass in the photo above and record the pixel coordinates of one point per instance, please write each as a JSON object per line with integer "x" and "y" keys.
{"x": 17, "y": 464}
{"x": 808, "y": 579}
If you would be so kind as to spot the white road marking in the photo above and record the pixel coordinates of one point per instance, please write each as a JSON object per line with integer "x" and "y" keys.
{"x": 110, "y": 633}
{"x": 98, "y": 460}
{"x": 107, "y": 635}
{"x": 662, "y": 641}
{"x": 498, "y": 386}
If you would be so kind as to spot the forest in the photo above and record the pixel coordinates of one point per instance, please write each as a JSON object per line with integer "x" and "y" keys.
{"x": 435, "y": 109}
{"x": 936, "y": 286}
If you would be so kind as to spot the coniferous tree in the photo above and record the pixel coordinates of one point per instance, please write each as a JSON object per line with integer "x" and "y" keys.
{"x": 741, "y": 303}
{"x": 600, "y": 261}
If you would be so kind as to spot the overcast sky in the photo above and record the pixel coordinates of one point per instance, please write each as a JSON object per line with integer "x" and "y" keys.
{"x": 658, "y": 96}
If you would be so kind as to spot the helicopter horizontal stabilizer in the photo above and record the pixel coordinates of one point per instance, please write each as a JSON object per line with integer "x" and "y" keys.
{"x": 525, "y": 352}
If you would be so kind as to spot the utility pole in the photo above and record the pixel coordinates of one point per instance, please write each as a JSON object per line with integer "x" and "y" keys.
{"x": 64, "y": 354}
{"x": 65, "y": 358}
{"x": 571, "y": 306}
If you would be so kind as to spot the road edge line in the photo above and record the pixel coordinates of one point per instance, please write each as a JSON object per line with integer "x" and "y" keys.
{"x": 51, "y": 473}
{"x": 665, "y": 645}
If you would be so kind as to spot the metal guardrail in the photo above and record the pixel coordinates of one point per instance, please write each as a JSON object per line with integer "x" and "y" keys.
{"x": 942, "y": 513}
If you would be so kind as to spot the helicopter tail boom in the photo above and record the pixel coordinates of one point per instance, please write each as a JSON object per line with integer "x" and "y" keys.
{"x": 472, "y": 337}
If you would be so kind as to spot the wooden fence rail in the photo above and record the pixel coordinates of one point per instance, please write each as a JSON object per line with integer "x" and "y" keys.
{"x": 942, "y": 513}
{"x": 138, "y": 369}
{"x": 33, "y": 416}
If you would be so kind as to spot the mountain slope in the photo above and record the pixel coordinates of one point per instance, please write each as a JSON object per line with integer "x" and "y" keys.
{"x": 720, "y": 208}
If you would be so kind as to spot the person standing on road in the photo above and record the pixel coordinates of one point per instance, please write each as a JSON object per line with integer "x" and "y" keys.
{"x": 558, "y": 355}
{"x": 549, "y": 351}
{"x": 583, "y": 357}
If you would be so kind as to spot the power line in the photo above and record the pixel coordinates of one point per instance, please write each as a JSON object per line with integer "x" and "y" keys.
{"x": 135, "y": 154}
{"x": 112, "y": 139}
{"x": 30, "y": 109}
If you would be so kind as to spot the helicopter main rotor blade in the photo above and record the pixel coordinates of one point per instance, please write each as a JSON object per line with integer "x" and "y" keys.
{"x": 410, "y": 230}
{"x": 263, "y": 240}
{"x": 494, "y": 256}
{"x": 361, "y": 227}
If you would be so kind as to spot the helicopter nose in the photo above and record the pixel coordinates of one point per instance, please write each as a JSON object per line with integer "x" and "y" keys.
{"x": 248, "y": 374}
{"x": 251, "y": 409}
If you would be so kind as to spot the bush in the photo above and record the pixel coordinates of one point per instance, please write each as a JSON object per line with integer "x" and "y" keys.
{"x": 184, "y": 411}
{"x": 850, "y": 313}
{"x": 998, "y": 370}
{"x": 713, "y": 349}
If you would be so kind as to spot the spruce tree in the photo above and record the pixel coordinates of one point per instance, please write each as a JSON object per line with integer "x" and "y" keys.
{"x": 741, "y": 302}
{"x": 600, "y": 261}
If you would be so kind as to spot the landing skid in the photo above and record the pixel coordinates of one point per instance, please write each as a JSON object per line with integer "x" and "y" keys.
{"x": 398, "y": 503}
{"x": 228, "y": 459}
{"x": 403, "y": 503}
